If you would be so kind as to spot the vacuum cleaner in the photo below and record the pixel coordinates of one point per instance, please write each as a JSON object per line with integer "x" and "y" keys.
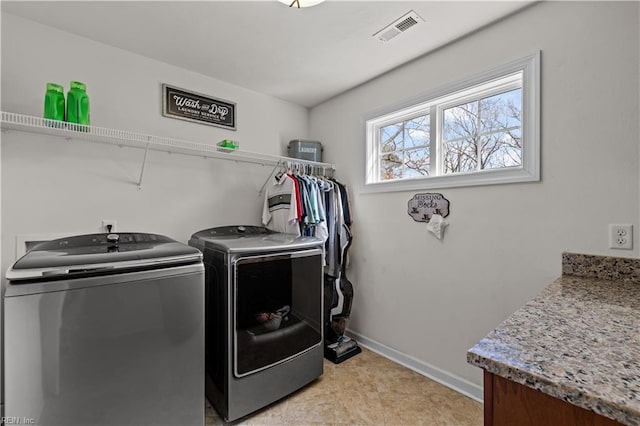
{"x": 338, "y": 293}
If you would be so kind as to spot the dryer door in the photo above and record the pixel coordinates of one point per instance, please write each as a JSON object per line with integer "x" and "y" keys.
{"x": 278, "y": 308}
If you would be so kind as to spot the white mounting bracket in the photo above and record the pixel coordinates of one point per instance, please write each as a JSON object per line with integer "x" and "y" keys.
{"x": 144, "y": 161}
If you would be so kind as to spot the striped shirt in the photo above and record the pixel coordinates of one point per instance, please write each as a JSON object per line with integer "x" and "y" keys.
{"x": 280, "y": 212}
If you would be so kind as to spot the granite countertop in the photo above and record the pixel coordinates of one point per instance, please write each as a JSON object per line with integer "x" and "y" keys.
{"x": 578, "y": 340}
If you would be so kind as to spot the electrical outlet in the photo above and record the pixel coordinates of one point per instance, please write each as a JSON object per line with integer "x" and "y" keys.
{"x": 621, "y": 237}
{"x": 106, "y": 223}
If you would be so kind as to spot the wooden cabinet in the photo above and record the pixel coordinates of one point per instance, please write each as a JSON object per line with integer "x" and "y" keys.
{"x": 507, "y": 403}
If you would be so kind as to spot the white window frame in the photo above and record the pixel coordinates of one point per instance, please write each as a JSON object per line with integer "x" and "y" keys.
{"x": 433, "y": 102}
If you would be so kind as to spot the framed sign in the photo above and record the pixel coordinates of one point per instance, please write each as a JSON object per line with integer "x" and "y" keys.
{"x": 422, "y": 206}
{"x": 191, "y": 106}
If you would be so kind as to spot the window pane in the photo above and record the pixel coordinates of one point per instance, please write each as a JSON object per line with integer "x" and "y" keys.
{"x": 416, "y": 162}
{"x": 460, "y": 156}
{"x": 460, "y": 121}
{"x": 416, "y": 132}
{"x": 391, "y": 138}
{"x": 501, "y": 150}
{"x": 501, "y": 111}
{"x": 390, "y": 158}
{"x": 391, "y": 166}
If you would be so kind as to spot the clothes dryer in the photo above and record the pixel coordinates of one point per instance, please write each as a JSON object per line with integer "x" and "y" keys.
{"x": 263, "y": 315}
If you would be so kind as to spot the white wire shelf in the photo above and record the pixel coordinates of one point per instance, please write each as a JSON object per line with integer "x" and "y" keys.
{"x": 31, "y": 124}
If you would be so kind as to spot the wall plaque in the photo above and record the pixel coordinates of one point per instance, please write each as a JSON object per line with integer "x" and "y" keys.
{"x": 422, "y": 206}
{"x": 191, "y": 106}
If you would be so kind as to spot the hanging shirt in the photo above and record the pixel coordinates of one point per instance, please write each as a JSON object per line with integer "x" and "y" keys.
{"x": 315, "y": 202}
{"x": 311, "y": 201}
{"x": 280, "y": 212}
{"x": 339, "y": 232}
{"x": 322, "y": 230}
{"x": 298, "y": 199}
{"x": 331, "y": 215}
{"x": 306, "y": 201}
{"x": 346, "y": 208}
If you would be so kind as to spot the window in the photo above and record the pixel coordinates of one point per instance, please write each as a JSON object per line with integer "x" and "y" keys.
{"x": 480, "y": 131}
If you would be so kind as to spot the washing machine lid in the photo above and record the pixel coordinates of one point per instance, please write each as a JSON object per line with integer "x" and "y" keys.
{"x": 248, "y": 238}
{"x": 100, "y": 254}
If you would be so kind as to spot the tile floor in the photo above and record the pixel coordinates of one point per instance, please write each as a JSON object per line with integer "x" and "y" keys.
{"x": 367, "y": 390}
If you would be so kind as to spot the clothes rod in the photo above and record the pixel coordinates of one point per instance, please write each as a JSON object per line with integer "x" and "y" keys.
{"x": 288, "y": 164}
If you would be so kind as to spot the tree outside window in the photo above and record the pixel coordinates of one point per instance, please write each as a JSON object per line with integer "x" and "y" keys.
{"x": 404, "y": 148}
{"x": 483, "y": 134}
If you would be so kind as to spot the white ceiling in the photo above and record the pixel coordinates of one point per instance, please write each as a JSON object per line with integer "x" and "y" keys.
{"x": 305, "y": 56}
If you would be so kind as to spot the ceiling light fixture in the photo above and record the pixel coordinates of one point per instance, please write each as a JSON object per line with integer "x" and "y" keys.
{"x": 301, "y": 3}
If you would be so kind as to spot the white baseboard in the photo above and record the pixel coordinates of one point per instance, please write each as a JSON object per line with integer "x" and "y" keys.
{"x": 452, "y": 381}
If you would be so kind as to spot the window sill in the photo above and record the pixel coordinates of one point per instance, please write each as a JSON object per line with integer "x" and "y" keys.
{"x": 488, "y": 177}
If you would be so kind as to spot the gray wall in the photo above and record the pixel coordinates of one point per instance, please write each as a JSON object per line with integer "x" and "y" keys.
{"x": 51, "y": 185}
{"x": 426, "y": 301}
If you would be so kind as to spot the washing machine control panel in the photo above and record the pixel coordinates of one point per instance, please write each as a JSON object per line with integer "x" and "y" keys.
{"x": 98, "y": 240}
{"x": 236, "y": 231}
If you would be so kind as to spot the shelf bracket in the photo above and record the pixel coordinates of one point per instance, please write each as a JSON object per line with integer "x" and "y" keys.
{"x": 261, "y": 191}
{"x": 144, "y": 161}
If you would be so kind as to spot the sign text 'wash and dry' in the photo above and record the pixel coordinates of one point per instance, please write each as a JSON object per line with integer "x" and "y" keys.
{"x": 192, "y": 106}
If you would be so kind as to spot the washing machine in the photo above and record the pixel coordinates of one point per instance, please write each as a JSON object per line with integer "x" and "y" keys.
{"x": 105, "y": 329}
{"x": 264, "y": 312}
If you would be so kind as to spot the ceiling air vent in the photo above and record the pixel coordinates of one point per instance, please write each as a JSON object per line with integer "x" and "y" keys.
{"x": 399, "y": 26}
